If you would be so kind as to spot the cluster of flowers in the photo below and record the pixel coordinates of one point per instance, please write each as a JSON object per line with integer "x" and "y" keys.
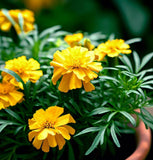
{"x": 76, "y": 65}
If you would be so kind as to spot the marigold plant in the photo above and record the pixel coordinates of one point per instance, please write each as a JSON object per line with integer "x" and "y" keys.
{"x": 97, "y": 83}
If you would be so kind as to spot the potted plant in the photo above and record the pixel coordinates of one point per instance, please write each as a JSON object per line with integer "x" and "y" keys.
{"x": 68, "y": 96}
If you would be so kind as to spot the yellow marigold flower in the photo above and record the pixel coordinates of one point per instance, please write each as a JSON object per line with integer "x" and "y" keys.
{"x": 112, "y": 48}
{"x": 76, "y": 66}
{"x": 73, "y": 39}
{"x": 26, "y": 69}
{"x": 28, "y": 17}
{"x": 9, "y": 96}
{"x": 49, "y": 129}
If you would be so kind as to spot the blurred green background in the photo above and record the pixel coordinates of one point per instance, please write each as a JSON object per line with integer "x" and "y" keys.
{"x": 125, "y": 18}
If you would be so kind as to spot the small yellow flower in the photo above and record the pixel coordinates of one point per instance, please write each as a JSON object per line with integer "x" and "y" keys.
{"x": 112, "y": 48}
{"x": 26, "y": 69}
{"x": 49, "y": 129}
{"x": 9, "y": 96}
{"x": 28, "y": 18}
{"x": 76, "y": 66}
{"x": 74, "y": 39}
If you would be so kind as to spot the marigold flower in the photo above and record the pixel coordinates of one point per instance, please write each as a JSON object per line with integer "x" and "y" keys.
{"x": 112, "y": 48}
{"x": 9, "y": 96}
{"x": 76, "y": 66}
{"x": 28, "y": 17}
{"x": 49, "y": 129}
{"x": 26, "y": 69}
{"x": 73, "y": 39}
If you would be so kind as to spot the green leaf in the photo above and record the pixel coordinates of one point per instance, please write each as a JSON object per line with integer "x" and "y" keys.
{"x": 100, "y": 110}
{"x": 49, "y": 31}
{"x": 15, "y": 115}
{"x": 137, "y": 61}
{"x": 95, "y": 143}
{"x": 127, "y": 62}
{"x": 133, "y": 40}
{"x": 146, "y": 59}
{"x": 87, "y": 130}
{"x": 113, "y": 134}
{"x": 111, "y": 116}
{"x": 71, "y": 155}
{"x": 129, "y": 117}
{"x": 3, "y": 126}
{"x": 102, "y": 78}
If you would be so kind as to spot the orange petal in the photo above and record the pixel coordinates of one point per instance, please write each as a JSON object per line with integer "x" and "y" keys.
{"x": 60, "y": 141}
{"x": 88, "y": 86}
{"x": 45, "y": 146}
{"x": 37, "y": 143}
{"x": 64, "y": 132}
{"x": 52, "y": 141}
{"x": 70, "y": 129}
{"x": 64, "y": 120}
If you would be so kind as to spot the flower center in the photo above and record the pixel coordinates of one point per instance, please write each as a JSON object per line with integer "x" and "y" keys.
{"x": 48, "y": 125}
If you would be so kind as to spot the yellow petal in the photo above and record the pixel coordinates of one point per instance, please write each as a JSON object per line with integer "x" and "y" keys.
{"x": 54, "y": 112}
{"x": 57, "y": 74}
{"x": 64, "y": 132}
{"x": 79, "y": 73}
{"x": 17, "y": 95}
{"x": 52, "y": 141}
{"x": 74, "y": 82}
{"x": 70, "y": 129}
{"x": 45, "y": 146}
{"x": 60, "y": 141}
{"x": 37, "y": 143}
{"x": 6, "y": 26}
{"x": 88, "y": 86}
{"x": 65, "y": 119}
{"x": 31, "y": 135}
{"x": 43, "y": 134}
{"x": 95, "y": 66}
{"x": 64, "y": 84}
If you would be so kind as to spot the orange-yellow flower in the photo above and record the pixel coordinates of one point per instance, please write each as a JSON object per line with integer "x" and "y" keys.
{"x": 49, "y": 129}
{"x": 112, "y": 48}
{"x": 9, "y": 96}
{"x": 28, "y": 20}
{"x": 26, "y": 69}
{"x": 76, "y": 66}
{"x": 74, "y": 39}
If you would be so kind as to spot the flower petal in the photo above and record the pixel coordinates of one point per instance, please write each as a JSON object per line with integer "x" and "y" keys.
{"x": 64, "y": 132}
{"x": 43, "y": 134}
{"x": 64, "y": 120}
{"x": 37, "y": 143}
{"x": 45, "y": 146}
{"x": 60, "y": 141}
{"x": 88, "y": 86}
{"x": 70, "y": 129}
{"x": 52, "y": 141}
